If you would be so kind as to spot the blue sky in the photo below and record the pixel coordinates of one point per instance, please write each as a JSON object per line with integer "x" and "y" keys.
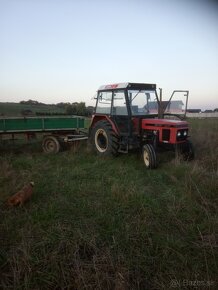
{"x": 62, "y": 50}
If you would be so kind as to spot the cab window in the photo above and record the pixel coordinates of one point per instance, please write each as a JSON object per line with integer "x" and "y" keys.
{"x": 104, "y": 103}
{"x": 119, "y": 104}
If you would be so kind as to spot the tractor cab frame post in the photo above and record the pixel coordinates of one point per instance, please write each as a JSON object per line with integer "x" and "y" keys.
{"x": 160, "y": 107}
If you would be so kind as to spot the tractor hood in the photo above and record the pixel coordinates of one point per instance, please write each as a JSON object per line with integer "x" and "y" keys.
{"x": 163, "y": 123}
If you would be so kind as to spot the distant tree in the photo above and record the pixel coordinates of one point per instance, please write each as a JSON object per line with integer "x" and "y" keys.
{"x": 216, "y": 110}
{"x": 81, "y": 109}
{"x": 71, "y": 109}
{"x": 29, "y": 102}
{"x": 76, "y": 109}
{"x": 62, "y": 105}
{"x": 90, "y": 110}
{"x": 32, "y": 102}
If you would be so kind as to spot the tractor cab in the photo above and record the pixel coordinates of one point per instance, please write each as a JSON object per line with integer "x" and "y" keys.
{"x": 131, "y": 115}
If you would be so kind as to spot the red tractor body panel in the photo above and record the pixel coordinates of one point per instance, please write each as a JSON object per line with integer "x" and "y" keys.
{"x": 165, "y": 122}
{"x": 164, "y": 125}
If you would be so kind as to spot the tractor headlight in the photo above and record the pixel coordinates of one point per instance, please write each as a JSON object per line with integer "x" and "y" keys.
{"x": 179, "y": 134}
{"x": 185, "y": 133}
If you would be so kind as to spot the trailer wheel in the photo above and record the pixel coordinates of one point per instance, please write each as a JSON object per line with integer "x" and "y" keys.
{"x": 50, "y": 144}
{"x": 103, "y": 139}
{"x": 149, "y": 156}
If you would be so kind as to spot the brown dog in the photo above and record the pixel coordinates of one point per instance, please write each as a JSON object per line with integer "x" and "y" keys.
{"x": 21, "y": 196}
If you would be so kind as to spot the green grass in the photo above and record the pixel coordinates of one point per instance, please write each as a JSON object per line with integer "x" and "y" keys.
{"x": 103, "y": 223}
{"x": 15, "y": 109}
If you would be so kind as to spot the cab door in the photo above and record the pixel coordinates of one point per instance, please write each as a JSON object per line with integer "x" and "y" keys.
{"x": 120, "y": 113}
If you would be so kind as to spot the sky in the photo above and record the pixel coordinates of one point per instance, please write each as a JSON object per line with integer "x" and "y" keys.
{"x": 64, "y": 50}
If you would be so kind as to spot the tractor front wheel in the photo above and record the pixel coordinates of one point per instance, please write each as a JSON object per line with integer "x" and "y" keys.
{"x": 149, "y": 156}
{"x": 104, "y": 139}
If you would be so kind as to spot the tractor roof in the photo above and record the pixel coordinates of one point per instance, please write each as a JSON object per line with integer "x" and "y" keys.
{"x": 134, "y": 86}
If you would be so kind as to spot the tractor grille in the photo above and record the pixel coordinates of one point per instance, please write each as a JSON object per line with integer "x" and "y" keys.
{"x": 182, "y": 135}
{"x": 166, "y": 135}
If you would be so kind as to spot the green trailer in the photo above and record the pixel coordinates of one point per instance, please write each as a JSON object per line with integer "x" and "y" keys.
{"x": 56, "y": 131}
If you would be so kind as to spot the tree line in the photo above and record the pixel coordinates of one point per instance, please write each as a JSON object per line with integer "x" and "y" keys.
{"x": 76, "y": 108}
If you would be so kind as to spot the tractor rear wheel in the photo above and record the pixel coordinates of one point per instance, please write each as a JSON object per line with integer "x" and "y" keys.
{"x": 149, "y": 156}
{"x": 104, "y": 139}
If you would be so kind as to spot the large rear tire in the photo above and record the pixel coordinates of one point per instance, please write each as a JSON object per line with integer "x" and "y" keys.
{"x": 149, "y": 156}
{"x": 103, "y": 139}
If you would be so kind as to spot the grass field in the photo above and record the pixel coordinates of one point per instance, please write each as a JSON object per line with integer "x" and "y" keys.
{"x": 96, "y": 223}
{"x": 15, "y": 109}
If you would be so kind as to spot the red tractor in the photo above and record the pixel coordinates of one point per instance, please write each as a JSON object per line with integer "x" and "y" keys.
{"x": 132, "y": 116}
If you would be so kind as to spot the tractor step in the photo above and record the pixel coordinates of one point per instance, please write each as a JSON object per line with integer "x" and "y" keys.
{"x": 124, "y": 150}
